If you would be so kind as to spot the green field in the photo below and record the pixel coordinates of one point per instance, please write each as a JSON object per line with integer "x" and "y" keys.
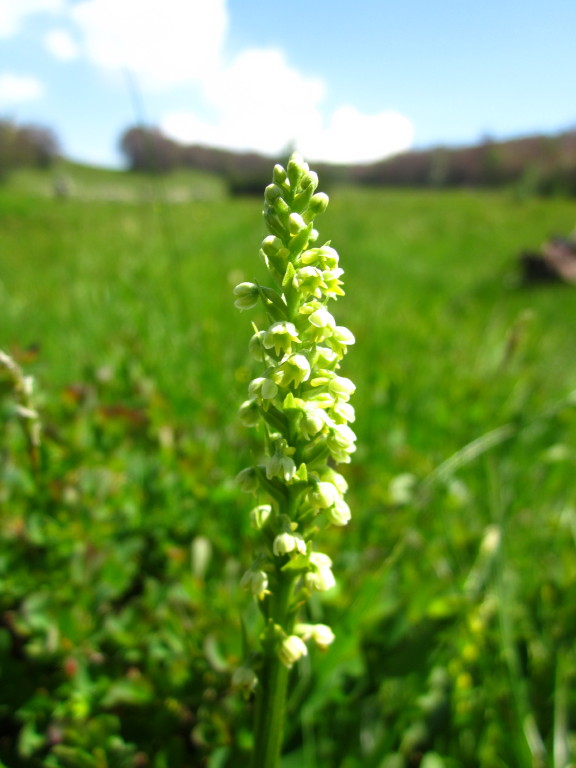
{"x": 120, "y": 605}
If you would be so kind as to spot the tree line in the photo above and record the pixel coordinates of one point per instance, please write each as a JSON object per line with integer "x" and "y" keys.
{"x": 543, "y": 164}
{"x": 26, "y": 146}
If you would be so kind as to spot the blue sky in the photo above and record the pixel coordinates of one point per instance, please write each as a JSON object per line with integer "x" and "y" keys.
{"x": 343, "y": 81}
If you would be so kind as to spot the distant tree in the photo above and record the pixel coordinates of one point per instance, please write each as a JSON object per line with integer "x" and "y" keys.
{"x": 41, "y": 144}
{"x": 147, "y": 149}
{"x": 28, "y": 145}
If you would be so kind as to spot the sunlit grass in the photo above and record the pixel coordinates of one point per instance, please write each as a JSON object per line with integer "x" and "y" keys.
{"x": 122, "y": 308}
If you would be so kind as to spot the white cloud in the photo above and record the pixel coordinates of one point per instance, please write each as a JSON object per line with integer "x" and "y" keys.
{"x": 61, "y": 45}
{"x": 263, "y": 104}
{"x": 259, "y": 103}
{"x": 256, "y": 101}
{"x": 353, "y": 137}
{"x": 18, "y": 88}
{"x": 13, "y": 13}
{"x": 162, "y": 43}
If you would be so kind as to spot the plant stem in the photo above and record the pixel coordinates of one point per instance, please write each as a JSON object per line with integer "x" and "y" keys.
{"x": 271, "y": 701}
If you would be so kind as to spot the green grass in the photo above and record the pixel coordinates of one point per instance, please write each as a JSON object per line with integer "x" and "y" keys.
{"x": 118, "y": 637}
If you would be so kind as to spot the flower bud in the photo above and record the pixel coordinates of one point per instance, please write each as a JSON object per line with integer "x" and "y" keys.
{"x": 271, "y": 245}
{"x": 291, "y": 650}
{"x": 246, "y": 295}
{"x": 318, "y": 203}
{"x": 296, "y": 169}
{"x": 296, "y": 223}
{"x": 310, "y": 179}
{"x": 271, "y": 193}
{"x": 279, "y": 174}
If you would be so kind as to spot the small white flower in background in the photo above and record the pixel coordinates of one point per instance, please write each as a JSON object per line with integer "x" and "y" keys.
{"x": 244, "y": 679}
{"x": 339, "y": 514}
{"x": 402, "y": 488}
{"x": 259, "y": 515}
{"x": 285, "y": 543}
{"x": 320, "y": 634}
{"x": 291, "y": 650}
{"x": 320, "y": 578}
{"x": 280, "y": 464}
{"x": 324, "y": 495}
{"x": 257, "y": 582}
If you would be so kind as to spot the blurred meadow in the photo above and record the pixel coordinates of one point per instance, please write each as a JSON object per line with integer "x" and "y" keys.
{"x": 121, "y": 616}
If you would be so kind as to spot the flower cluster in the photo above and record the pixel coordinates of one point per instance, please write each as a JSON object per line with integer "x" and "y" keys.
{"x": 302, "y": 403}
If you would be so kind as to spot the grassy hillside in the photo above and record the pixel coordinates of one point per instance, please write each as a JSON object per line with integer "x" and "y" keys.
{"x": 119, "y": 595}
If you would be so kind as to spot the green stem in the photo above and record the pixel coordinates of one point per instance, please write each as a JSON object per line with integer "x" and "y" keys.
{"x": 273, "y": 686}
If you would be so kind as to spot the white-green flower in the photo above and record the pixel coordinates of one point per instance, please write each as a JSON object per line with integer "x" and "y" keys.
{"x": 263, "y": 387}
{"x": 257, "y": 582}
{"x": 291, "y": 650}
{"x": 285, "y": 543}
{"x": 332, "y": 282}
{"x": 259, "y": 515}
{"x": 280, "y": 337}
{"x": 244, "y": 679}
{"x": 281, "y": 466}
{"x": 256, "y": 346}
{"x": 320, "y": 634}
{"x": 324, "y": 495}
{"x": 309, "y": 282}
{"x": 341, "y": 387}
{"x": 314, "y": 419}
{"x": 320, "y": 576}
{"x": 247, "y": 480}
{"x": 324, "y": 257}
{"x": 293, "y": 370}
{"x": 339, "y": 513}
{"x": 249, "y": 413}
{"x": 322, "y": 325}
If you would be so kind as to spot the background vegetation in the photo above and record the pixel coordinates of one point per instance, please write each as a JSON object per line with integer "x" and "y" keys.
{"x": 120, "y": 610}
{"x": 539, "y": 164}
